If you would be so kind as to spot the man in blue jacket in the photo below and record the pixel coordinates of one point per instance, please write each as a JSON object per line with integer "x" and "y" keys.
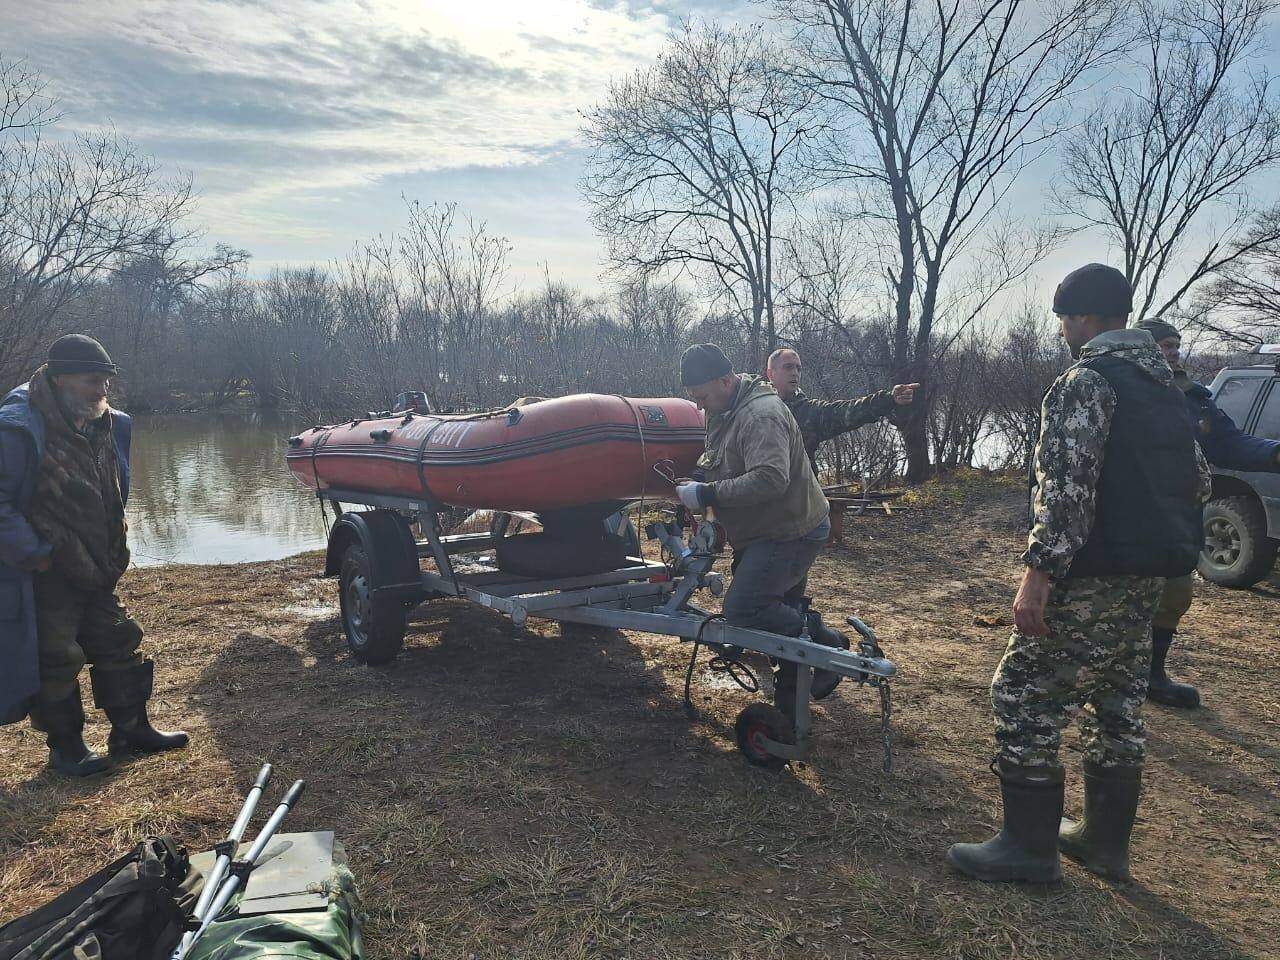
{"x": 64, "y": 481}
{"x": 1225, "y": 445}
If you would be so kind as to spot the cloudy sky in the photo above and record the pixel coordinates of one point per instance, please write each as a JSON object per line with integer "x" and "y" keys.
{"x": 303, "y": 122}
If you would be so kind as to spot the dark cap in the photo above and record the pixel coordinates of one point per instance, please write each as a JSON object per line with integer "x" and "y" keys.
{"x": 1094, "y": 289}
{"x": 702, "y": 363}
{"x": 76, "y": 353}
{"x": 1158, "y": 329}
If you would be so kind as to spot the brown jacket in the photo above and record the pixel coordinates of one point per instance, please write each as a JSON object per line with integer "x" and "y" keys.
{"x": 759, "y": 471}
{"x": 77, "y": 505}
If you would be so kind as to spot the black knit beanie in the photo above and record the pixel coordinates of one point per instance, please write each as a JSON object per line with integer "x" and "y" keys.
{"x": 1094, "y": 290}
{"x": 702, "y": 363}
{"x": 77, "y": 353}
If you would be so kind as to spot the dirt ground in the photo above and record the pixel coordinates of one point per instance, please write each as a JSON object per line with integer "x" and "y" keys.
{"x": 519, "y": 794}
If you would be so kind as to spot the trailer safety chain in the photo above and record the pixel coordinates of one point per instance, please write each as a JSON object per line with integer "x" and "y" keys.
{"x": 886, "y": 731}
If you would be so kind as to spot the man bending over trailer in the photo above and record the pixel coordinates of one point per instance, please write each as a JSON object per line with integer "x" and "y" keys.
{"x": 758, "y": 481}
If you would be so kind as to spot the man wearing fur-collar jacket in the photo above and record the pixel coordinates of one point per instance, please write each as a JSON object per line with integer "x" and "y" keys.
{"x": 64, "y": 482}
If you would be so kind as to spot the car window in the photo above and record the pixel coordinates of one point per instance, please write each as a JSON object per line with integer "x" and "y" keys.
{"x": 1269, "y": 421}
{"x": 1235, "y": 397}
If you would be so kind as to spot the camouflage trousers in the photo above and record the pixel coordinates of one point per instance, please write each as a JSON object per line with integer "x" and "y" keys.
{"x": 75, "y": 626}
{"x": 1093, "y": 664}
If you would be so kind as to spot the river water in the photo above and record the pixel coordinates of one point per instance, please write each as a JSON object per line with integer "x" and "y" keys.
{"x": 214, "y": 488}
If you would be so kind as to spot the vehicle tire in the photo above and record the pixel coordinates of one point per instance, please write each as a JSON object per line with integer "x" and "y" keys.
{"x": 1237, "y": 551}
{"x": 375, "y": 631}
{"x": 754, "y": 724}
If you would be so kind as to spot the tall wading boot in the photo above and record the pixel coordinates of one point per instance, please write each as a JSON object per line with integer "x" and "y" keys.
{"x": 123, "y": 694}
{"x": 825, "y": 681}
{"x": 1100, "y": 842}
{"x": 63, "y": 725}
{"x": 1026, "y": 848}
{"x": 1162, "y": 689}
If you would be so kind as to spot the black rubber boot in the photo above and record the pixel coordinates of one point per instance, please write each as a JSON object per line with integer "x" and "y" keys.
{"x": 784, "y": 689}
{"x": 1026, "y": 848}
{"x": 825, "y": 681}
{"x": 1162, "y": 689}
{"x": 63, "y": 724}
{"x": 123, "y": 694}
{"x": 1100, "y": 842}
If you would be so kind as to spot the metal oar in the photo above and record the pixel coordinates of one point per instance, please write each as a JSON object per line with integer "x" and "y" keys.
{"x": 238, "y": 877}
{"x": 227, "y": 851}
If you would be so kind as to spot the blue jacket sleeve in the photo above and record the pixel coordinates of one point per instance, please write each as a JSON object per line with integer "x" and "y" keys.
{"x": 1226, "y": 445}
{"x": 19, "y": 544}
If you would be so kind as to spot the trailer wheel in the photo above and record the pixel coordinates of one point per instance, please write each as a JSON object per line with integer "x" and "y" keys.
{"x": 375, "y": 631}
{"x": 756, "y": 724}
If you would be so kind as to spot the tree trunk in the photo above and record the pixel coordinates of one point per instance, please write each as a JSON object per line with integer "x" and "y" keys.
{"x": 914, "y": 428}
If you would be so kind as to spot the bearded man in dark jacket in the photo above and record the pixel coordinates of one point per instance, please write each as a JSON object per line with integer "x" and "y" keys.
{"x": 64, "y": 482}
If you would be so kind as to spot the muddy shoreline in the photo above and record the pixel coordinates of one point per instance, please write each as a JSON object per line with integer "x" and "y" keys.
{"x": 521, "y": 793}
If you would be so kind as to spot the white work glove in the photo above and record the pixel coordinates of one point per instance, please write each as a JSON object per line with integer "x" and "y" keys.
{"x": 690, "y": 494}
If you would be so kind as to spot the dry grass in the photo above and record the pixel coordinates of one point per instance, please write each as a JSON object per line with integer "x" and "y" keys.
{"x": 507, "y": 793}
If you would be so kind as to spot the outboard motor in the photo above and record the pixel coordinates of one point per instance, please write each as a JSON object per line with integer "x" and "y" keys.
{"x": 414, "y": 401}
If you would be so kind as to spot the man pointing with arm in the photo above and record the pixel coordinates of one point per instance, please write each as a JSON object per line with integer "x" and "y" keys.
{"x": 822, "y": 420}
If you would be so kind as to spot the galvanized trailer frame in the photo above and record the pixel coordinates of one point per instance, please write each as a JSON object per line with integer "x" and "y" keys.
{"x": 378, "y": 561}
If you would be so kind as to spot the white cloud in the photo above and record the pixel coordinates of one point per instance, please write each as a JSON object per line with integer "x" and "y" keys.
{"x": 283, "y": 110}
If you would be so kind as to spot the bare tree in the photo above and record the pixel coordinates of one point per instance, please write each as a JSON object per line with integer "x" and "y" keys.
{"x": 1241, "y": 303}
{"x": 1156, "y": 168}
{"x": 1025, "y": 364}
{"x": 693, "y": 166}
{"x": 936, "y": 110}
{"x": 24, "y": 105}
{"x": 457, "y": 283}
{"x": 74, "y": 210}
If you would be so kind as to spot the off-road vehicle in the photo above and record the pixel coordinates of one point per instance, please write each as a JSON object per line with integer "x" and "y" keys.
{"x": 1242, "y": 521}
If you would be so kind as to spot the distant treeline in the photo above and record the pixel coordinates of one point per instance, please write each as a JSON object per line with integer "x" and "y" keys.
{"x": 837, "y": 181}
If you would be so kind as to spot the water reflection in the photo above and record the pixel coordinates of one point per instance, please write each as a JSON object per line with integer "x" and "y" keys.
{"x": 214, "y": 488}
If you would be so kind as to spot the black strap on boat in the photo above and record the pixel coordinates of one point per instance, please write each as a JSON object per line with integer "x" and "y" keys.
{"x": 644, "y": 460}
{"x": 315, "y": 472}
{"x": 422, "y": 451}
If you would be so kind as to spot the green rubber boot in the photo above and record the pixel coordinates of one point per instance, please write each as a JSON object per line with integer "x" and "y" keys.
{"x": 1100, "y": 842}
{"x": 63, "y": 724}
{"x": 1026, "y": 848}
{"x": 1163, "y": 688}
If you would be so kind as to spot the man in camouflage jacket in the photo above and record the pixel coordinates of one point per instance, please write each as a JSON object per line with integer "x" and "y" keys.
{"x": 822, "y": 420}
{"x": 1118, "y": 482}
{"x": 64, "y": 482}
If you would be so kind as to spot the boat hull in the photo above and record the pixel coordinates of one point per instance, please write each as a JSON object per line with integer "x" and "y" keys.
{"x": 565, "y": 452}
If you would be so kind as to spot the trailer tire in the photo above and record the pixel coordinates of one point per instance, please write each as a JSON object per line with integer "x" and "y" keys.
{"x": 374, "y": 629}
{"x": 753, "y": 725}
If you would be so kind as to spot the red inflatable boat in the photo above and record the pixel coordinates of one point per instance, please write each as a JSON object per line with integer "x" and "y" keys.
{"x": 566, "y": 452}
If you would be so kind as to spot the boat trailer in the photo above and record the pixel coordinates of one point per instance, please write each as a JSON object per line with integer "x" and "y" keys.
{"x": 378, "y": 561}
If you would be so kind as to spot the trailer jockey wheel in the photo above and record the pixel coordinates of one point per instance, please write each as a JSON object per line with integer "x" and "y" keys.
{"x": 757, "y": 723}
{"x": 375, "y": 631}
